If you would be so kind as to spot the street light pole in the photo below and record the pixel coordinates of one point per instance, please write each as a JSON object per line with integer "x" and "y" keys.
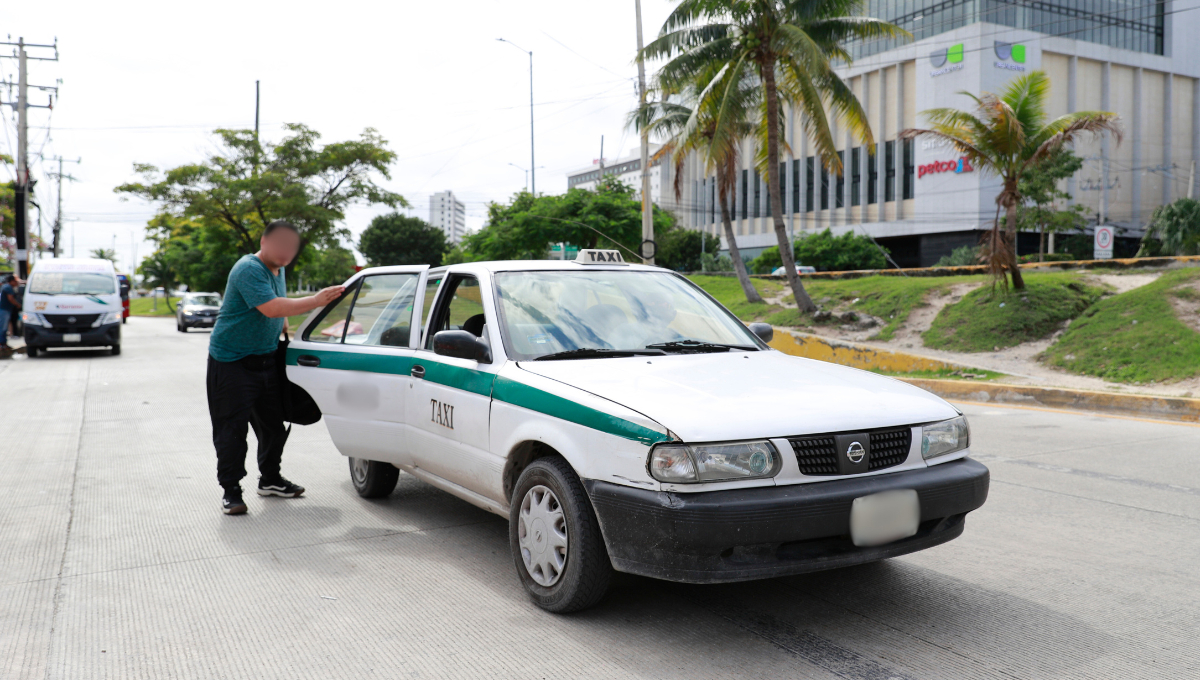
{"x": 532, "y": 161}
{"x": 647, "y": 206}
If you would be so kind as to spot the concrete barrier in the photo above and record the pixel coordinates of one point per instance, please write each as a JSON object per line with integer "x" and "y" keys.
{"x": 852, "y": 354}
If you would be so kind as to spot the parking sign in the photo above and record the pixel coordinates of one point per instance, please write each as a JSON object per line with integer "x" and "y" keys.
{"x": 1103, "y": 246}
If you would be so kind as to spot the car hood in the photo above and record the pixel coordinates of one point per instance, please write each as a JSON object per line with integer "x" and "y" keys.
{"x": 743, "y": 395}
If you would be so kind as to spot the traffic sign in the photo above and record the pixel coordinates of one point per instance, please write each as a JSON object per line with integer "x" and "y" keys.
{"x": 1102, "y": 248}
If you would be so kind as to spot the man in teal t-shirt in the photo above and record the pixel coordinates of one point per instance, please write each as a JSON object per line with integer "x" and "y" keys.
{"x": 243, "y": 386}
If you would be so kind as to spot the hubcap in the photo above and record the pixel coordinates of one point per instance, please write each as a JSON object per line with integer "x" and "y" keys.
{"x": 542, "y": 535}
{"x": 358, "y": 468}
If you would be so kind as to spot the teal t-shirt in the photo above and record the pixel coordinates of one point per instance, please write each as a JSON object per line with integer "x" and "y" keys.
{"x": 241, "y": 329}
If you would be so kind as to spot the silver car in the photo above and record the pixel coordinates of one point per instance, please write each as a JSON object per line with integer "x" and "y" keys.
{"x": 197, "y": 310}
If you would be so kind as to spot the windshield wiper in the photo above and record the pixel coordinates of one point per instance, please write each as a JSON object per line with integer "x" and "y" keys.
{"x": 696, "y": 346}
{"x": 599, "y": 353}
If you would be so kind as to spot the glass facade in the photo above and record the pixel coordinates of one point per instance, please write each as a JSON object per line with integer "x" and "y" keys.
{"x": 1137, "y": 25}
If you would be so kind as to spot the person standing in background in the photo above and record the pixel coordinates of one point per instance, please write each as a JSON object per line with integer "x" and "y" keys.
{"x": 243, "y": 385}
{"x": 10, "y": 306}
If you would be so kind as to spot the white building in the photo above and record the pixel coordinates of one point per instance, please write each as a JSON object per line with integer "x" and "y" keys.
{"x": 1134, "y": 58}
{"x": 629, "y": 171}
{"x": 448, "y": 214}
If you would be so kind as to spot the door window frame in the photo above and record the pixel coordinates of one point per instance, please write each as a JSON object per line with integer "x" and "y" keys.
{"x": 351, "y": 290}
{"x": 441, "y": 305}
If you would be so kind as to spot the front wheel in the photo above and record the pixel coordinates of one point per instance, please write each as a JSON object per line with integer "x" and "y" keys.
{"x": 116, "y": 349}
{"x": 555, "y": 539}
{"x": 373, "y": 479}
{"x": 31, "y": 351}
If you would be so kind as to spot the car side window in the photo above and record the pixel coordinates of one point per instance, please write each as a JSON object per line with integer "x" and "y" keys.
{"x": 459, "y": 308}
{"x": 382, "y": 314}
{"x": 331, "y": 325}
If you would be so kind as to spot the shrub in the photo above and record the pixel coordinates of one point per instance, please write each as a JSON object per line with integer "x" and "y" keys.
{"x": 828, "y": 253}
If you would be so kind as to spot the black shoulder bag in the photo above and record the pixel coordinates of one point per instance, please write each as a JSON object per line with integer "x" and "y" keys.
{"x": 298, "y": 406}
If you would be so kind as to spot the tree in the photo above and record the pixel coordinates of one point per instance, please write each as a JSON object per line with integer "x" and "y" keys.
{"x": 680, "y": 249}
{"x": 609, "y": 217}
{"x": 321, "y": 267}
{"x": 398, "y": 239}
{"x": 690, "y": 127}
{"x": 1039, "y": 186}
{"x": 1007, "y": 136}
{"x": 104, "y": 254}
{"x": 1177, "y": 228}
{"x": 828, "y": 253}
{"x": 247, "y": 184}
{"x": 157, "y": 271}
{"x": 783, "y": 47}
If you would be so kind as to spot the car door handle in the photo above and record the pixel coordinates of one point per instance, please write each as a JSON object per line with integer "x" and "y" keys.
{"x": 308, "y": 360}
{"x": 418, "y": 371}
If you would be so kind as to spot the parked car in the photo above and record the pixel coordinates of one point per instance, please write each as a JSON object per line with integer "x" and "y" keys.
{"x": 197, "y": 310}
{"x": 800, "y": 269}
{"x": 620, "y": 418}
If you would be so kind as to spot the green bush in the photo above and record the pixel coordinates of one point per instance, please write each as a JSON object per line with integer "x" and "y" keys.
{"x": 828, "y": 253}
{"x": 681, "y": 249}
{"x": 962, "y": 256}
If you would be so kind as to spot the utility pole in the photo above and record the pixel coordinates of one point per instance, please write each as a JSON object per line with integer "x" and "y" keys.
{"x": 24, "y": 185}
{"x": 256, "y": 100}
{"x": 601, "y": 161}
{"x": 57, "y": 245}
{"x": 532, "y": 162}
{"x": 647, "y": 206}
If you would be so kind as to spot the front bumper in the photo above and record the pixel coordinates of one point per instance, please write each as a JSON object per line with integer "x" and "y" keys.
{"x": 198, "y": 321}
{"x": 744, "y": 534}
{"x": 102, "y": 336}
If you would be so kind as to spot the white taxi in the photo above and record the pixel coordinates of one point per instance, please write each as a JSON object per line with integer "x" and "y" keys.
{"x": 622, "y": 419}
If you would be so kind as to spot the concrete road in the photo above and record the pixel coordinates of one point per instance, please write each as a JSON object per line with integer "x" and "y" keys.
{"x": 115, "y": 561}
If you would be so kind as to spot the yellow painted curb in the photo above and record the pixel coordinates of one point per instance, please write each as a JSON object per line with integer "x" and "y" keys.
{"x": 854, "y": 355}
{"x": 1168, "y": 408}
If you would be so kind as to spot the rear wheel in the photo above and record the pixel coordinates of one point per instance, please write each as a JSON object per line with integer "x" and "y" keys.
{"x": 373, "y": 479}
{"x": 555, "y": 538}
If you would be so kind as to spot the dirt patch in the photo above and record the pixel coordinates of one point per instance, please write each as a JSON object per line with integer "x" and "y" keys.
{"x": 1185, "y": 300}
{"x": 908, "y": 335}
{"x": 1124, "y": 282}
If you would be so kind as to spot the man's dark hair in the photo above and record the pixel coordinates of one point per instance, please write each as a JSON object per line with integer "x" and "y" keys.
{"x": 11, "y": 278}
{"x": 281, "y": 224}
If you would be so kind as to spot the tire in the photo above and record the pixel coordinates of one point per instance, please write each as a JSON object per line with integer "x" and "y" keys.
{"x": 124, "y": 319}
{"x": 373, "y": 479}
{"x": 583, "y": 568}
{"x": 116, "y": 349}
{"x": 31, "y": 351}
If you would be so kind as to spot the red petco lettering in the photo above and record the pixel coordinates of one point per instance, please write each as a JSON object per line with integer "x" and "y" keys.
{"x": 959, "y": 165}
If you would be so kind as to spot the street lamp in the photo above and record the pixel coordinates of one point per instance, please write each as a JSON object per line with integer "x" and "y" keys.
{"x": 526, "y": 171}
{"x": 532, "y": 162}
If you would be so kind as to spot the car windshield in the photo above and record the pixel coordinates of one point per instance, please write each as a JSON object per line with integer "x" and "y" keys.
{"x": 72, "y": 283}
{"x": 205, "y": 300}
{"x": 545, "y": 313}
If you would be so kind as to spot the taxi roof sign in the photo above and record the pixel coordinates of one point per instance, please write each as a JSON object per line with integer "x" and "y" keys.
{"x": 597, "y": 256}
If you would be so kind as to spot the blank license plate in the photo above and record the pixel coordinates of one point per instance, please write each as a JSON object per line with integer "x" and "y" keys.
{"x": 72, "y": 337}
{"x": 884, "y": 517}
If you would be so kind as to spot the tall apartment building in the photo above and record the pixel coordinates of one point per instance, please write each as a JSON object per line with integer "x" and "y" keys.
{"x": 448, "y": 214}
{"x": 919, "y": 199}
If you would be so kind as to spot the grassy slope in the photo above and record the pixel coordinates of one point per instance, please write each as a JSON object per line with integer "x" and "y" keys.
{"x": 1133, "y": 337}
{"x": 144, "y": 307}
{"x": 985, "y": 318}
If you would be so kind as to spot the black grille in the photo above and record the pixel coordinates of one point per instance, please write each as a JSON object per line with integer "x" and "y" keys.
{"x": 889, "y": 447}
{"x": 817, "y": 455}
{"x": 63, "y": 322}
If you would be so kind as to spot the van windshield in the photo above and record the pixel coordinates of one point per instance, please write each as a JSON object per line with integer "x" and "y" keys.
{"x": 72, "y": 283}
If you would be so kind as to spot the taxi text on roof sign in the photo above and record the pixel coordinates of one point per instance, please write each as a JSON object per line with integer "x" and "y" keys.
{"x": 589, "y": 256}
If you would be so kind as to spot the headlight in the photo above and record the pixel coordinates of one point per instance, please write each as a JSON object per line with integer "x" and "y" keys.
{"x": 948, "y": 436}
{"x": 107, "y": 318}
{"x": 684, "y": 463}
{"x": 33, "y": 319}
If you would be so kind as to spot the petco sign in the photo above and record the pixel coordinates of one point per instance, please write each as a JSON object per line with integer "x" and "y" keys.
{"x": 960, "y": 165}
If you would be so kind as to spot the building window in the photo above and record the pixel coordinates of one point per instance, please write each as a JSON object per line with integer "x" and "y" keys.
{"x": 910, "y": 170}
{"x": 757, "y": 195}
{"x": 745, "y": 186}
{"x": 840, "y": 196}
{"x": 810, "y": 181}
{"x": 824, "y": 186}
{"x": 872, "y": 177}
{"x": 855, "y": 175}
{"x": 889, "y": 171}
{"x": 796, "y": 185}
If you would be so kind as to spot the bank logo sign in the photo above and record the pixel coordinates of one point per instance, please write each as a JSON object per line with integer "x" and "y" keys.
{"x": 952, "y": 55}
{"x": 1008, "y": 53}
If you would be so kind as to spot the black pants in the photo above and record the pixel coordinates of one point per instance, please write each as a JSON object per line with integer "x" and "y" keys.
{"x": 240, "y": 393}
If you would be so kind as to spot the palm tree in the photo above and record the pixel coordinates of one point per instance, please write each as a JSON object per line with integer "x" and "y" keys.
{"x": 157, "y": 271}
{"x": 104, "y": 254}
{"x": 784, "y": 48}
{"x": 1006, "y": 136}
{"x": 690, "y": 127}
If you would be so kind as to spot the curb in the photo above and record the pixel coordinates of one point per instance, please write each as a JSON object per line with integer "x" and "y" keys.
{"x": 1165, "y": 408}
{"x": 858, "y": 356}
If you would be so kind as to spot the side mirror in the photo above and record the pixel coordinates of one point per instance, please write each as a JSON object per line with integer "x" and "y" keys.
{"x": 461, "y": 345}
{"x": 763, "y": 331}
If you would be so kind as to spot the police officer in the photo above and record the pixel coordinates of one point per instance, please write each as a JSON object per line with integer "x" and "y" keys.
{"x": 243, "y": 385}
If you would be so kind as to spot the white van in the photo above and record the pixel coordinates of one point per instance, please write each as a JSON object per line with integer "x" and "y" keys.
{"x": 72, "y": 303}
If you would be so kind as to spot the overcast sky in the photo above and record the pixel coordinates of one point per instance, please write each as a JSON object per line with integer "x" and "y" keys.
{"x": 148, "y": 82}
